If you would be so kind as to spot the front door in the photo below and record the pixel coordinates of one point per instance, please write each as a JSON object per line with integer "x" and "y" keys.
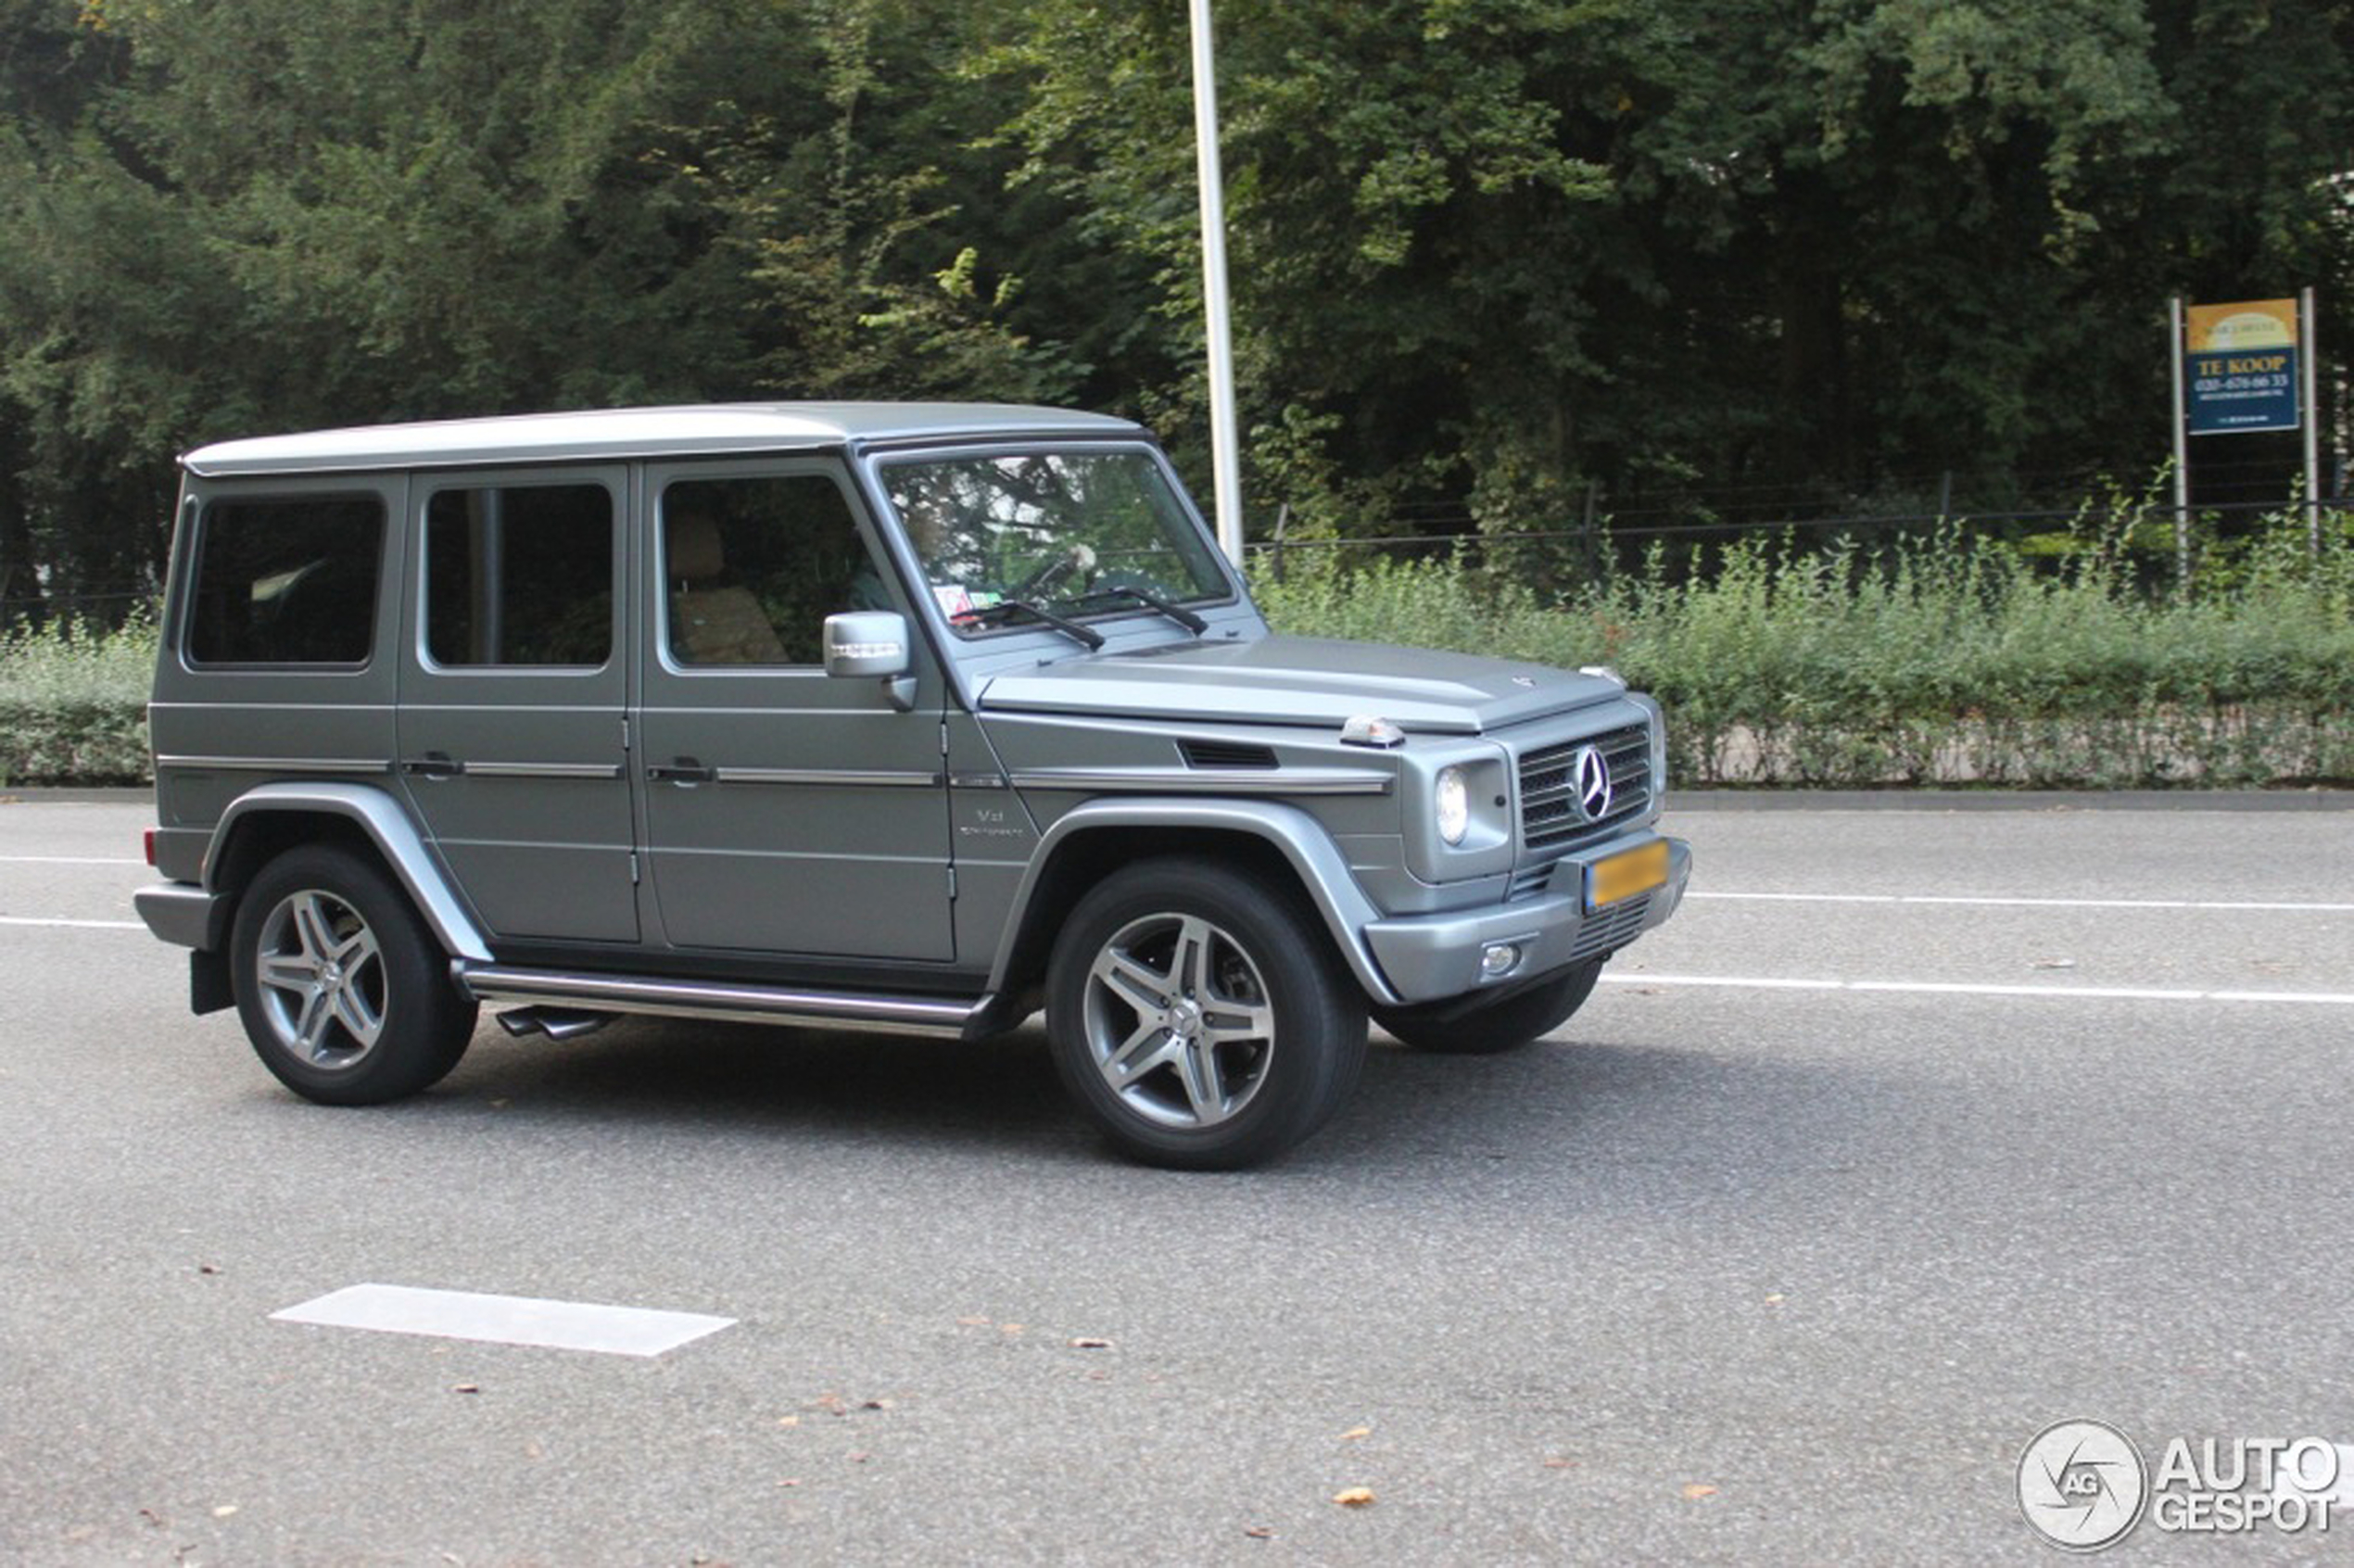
{"x": 787, "y": 812}
{"x": 513, "y": 690}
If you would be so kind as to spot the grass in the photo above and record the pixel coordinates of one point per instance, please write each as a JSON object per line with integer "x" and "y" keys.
{"x": 73, "y": 703}
{"x": 1939, "y": 662}
{"x": 1942, "y": 662}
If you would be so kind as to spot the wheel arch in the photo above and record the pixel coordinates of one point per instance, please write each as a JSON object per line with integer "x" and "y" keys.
{"x": 1090, "y": 842}
{"x": 264, "y": 822}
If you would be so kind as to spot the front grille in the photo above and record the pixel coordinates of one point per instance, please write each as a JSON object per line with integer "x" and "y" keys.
{"x": 1552, "y": 819}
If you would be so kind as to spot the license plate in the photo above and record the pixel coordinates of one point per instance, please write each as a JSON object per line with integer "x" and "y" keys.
{"x": 1622, "y": 876}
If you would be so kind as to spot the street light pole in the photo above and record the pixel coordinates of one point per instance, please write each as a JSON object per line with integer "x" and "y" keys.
{"x": 1225, "y": 451}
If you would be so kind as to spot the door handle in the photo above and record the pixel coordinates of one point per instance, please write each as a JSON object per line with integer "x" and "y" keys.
{"x": 433, "y": 764}
{"x": 681, "y": 770}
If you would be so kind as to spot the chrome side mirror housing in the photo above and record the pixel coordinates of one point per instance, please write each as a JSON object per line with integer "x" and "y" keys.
{"x": 872, "y": 644}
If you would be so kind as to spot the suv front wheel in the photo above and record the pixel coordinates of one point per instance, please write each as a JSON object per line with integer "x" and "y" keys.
{"x": 345, "y": 995}
{"x": 1197, "y": 1013}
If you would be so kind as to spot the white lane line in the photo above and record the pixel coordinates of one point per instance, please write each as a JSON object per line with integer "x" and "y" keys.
{"x": 66, "y": 860}
{"x": 1944, "y": 988}
{"x": 2026, "y": 903}
{"x": 76, "y": 924}
{"x": 504, "y": 1320}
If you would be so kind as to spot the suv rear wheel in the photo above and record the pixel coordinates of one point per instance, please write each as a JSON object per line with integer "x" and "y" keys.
{"x": 1197, "y": 1013}
{"x": 345, "y": 995}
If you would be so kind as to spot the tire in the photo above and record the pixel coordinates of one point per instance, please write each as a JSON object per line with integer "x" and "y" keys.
{"x": 344, "y": 992}
{"x": 1198, "y": 1015}
{"x": 1495, "y": 1027}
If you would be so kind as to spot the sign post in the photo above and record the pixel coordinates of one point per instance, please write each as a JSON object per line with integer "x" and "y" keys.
{"x": 2238, "y": 369}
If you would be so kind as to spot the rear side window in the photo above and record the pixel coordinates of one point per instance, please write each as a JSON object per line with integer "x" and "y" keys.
{"x": 286, "y": 580}
{"x": 519, "y": 575}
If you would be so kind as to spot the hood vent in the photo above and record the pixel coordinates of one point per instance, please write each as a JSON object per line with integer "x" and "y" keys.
{"x": 1226, "y": 753}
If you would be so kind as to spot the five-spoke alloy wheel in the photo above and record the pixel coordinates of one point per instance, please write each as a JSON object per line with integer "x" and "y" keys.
{"x": 1197, "y": 1013}
{"x": 343, "y": 993}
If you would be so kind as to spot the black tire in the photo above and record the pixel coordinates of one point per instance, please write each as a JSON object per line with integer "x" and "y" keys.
{"x": 343, "y": 990}
{"x": 1500, "y": 1026}
{"x": 1200, "y": 1016}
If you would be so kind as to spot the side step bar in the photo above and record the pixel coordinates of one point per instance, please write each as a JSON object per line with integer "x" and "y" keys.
{"x": 553, "y": 991}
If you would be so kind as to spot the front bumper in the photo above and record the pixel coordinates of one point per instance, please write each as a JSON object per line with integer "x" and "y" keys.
{"x": 1433, "y": 957}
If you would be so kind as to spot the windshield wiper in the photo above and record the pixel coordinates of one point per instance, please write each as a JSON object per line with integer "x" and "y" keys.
{"x": 1176, "y": 612}
{"x": 987, "y": 614}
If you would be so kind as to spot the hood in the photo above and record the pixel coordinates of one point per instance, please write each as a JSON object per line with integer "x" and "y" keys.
{"x": 1300, "y": 680}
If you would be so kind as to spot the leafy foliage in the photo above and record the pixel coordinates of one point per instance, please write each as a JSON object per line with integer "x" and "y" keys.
{"x": 1486, "y": 254}
{"x": 1942, "y": 662}
{"x": 73, "y": 703}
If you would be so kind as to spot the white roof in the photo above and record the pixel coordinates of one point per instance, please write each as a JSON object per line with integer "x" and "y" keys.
{"x": 639, "y": 432}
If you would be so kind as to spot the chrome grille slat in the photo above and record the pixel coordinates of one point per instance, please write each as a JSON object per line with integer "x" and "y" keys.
{"x": 1550, "y": 823}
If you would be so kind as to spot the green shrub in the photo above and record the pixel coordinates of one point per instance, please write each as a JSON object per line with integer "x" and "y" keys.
{"x": 1934, "y": 662}
{"x": 73, "y": 703}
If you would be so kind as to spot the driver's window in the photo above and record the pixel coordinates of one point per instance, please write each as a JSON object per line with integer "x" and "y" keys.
{"x": 753, "y": 566}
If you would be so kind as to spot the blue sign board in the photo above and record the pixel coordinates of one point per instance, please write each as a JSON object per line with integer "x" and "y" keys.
{"x": 2240, "y": 367}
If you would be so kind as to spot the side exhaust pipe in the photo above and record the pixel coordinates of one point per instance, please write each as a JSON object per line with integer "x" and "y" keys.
{"x": 553, "y": 1022}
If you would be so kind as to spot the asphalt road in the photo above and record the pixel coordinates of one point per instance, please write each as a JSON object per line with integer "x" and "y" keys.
{"x": 1780, "y": 1252}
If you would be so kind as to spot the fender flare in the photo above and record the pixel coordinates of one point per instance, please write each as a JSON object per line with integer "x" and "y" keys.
{"x": 1323, "y": 871}
{"x": 388, "y": 827}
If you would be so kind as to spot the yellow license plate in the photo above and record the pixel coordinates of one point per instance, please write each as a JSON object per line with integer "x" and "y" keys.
{"x": 1624, "y": 876}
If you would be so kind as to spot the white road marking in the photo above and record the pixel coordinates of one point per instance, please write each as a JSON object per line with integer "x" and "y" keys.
{"x": 1945, "y": 987}
{"x": 504, "y": 1320}
{"x": 2025, "y": 903}
{"x": 76, "y": 924}
{"x": 66, "y": 860}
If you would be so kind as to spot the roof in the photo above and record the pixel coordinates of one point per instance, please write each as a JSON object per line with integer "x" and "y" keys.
{"x": 686, "y": 431}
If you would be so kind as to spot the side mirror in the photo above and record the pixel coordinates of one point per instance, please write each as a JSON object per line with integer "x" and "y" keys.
{"x": 872, "y": 644}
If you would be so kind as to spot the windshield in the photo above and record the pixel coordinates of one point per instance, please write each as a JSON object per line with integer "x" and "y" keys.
{"x": 1073, "y": 532}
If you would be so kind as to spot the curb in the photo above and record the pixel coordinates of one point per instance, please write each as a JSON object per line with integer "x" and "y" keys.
{"x": 2009, "y": 800}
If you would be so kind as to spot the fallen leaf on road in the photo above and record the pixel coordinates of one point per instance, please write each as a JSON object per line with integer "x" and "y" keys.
{"x": 225, "y": 1510}
{"x": 1355, "y": 1497}
{"x": 1698, "y": 1490}
{"x": 1557, "y": 1463}
{"x": 1356, "y": 1432}
{"x": 788, "y": 1421}
{"x": 1260, "y": 1533}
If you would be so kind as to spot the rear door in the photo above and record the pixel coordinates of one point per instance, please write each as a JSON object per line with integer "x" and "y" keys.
{"x": 515, "y": 688}
{"x": 787, "y": 813}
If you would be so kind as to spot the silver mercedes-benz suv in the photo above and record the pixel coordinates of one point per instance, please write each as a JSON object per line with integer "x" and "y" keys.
{"x": 904, "y": 717}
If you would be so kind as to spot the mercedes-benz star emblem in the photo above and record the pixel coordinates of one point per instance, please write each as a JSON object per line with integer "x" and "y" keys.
{"x": 1594, "y": 787}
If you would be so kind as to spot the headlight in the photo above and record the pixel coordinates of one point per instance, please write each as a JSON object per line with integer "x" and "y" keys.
{"x": 1452, "y": 802}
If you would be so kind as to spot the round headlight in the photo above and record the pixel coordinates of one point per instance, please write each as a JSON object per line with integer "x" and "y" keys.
{"x": 1454, "y": 805}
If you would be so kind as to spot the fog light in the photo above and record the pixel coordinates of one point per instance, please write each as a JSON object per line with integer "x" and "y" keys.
{"x": 1498, "y": 958}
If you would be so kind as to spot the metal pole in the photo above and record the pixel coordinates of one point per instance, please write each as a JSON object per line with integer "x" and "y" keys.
{"x": 2309, "y": 345}
{"x": 2182, "y": 450}
{"x": 1225, "y": 453}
